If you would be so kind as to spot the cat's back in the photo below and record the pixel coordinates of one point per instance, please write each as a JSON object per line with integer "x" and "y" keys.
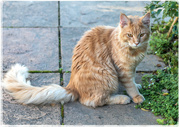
{"x": 95, "y": 38}
{"x": 99, "y": 32}
{"x": 102, "y": 30}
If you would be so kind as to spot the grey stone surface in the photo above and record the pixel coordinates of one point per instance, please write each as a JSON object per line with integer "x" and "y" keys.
{"x": 70, "y": 36}
{"x": 77, "y": 114}
{"x": 41, "y": 79}
{"x": 17, "y": 114}
{"x": 66, "y": 79}
{"x": 93, "y": 13}
{"x": 30, "y": 14}
{"x": 37, "y": 48}
{"x": 150, "y": 63}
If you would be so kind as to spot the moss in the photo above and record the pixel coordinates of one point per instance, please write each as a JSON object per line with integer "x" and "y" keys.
{"x": 67, "y": 72}
{"x": 45, "y": 71}
{"x": 60, "y": 70}
{"x": 62, "y": 114}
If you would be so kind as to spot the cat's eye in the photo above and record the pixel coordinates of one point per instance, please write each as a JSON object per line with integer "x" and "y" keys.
{"x": 141, "y": 35}
{"x": 129, "y": 35}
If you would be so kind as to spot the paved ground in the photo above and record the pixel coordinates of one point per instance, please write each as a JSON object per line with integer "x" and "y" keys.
{"x": 42, "y": 35}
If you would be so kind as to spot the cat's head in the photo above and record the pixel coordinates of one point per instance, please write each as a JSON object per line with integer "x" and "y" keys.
{"x": 134, "y": 30}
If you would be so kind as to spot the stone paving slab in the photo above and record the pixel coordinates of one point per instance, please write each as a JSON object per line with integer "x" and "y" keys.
{"x": 30, "y": 14}
{"x": 150, "y": 63}
{"x": 37, "y": 48}
{"x": 70, "y": 36}
{"x": 93, "y": 13}
{"x": 17, "y": 114}
{"x": 77, "y": 114}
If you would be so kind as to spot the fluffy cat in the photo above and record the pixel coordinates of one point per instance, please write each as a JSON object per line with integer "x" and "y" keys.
{"x": 104, "y": 57}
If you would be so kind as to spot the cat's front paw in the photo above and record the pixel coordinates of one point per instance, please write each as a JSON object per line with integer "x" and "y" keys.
{"x": 139, "y": 86}
{"x": 138, "y": 99}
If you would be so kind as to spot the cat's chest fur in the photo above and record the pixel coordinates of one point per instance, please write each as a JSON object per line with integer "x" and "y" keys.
{"x": 127, "y": 65}
{"x": 126, "y": 59}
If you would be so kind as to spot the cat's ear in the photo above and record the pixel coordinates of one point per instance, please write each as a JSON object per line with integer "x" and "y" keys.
{"x": 124, "y": 20}
{"x": 146, "y": 19}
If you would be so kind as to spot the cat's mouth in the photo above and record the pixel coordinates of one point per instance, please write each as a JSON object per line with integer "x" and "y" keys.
{"x": 134, "y": 46}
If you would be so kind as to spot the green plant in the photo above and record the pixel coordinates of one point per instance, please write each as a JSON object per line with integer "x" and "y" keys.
{"x": 164, "y": 39}
{"x": 166, "y": 49}
{"x": 161, "y": 88}
{"x": 161, "y": 93}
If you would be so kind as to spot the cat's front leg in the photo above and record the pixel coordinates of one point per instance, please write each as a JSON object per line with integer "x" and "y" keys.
{"x": 132, "y": 89}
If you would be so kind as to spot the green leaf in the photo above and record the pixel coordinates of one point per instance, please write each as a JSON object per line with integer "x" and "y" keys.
{"x": 152, "y": 7}
{"x": 159, "y": 11}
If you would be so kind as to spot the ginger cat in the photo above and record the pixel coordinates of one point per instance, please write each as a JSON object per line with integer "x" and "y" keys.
{"x": 104, "y": 57}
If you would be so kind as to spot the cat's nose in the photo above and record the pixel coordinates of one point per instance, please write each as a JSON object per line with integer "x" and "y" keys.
{"x": 136, "y": 43}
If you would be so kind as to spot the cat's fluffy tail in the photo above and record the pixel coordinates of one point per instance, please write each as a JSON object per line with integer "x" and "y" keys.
{"x": 16, "y": 85}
